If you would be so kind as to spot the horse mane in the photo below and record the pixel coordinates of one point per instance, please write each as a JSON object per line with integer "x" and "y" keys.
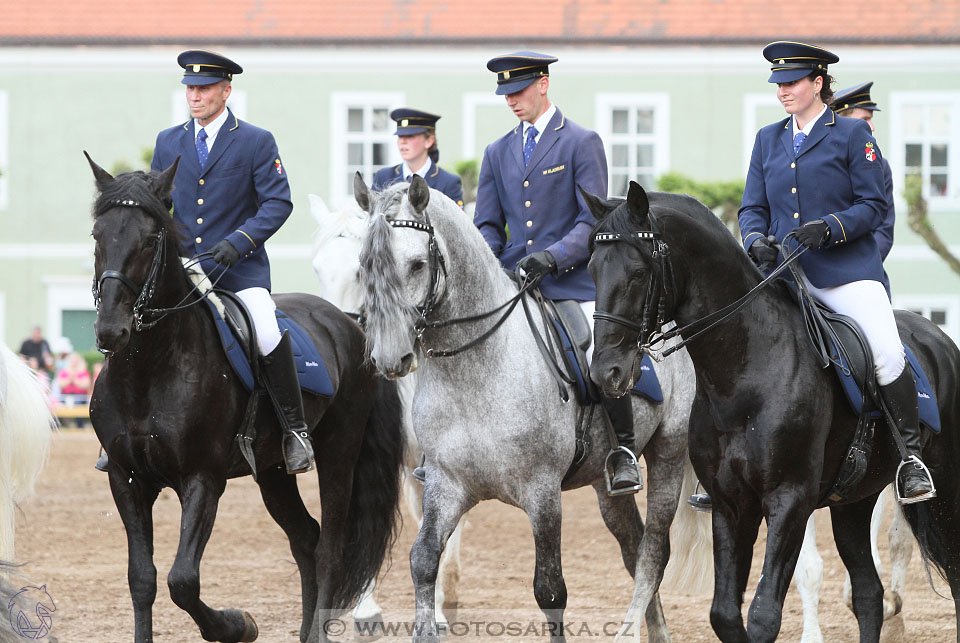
{"x": 137, "y": 186}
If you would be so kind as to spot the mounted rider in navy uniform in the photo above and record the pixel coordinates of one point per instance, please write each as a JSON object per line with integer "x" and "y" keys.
{"x": 417, "y": 141}
{"x": 231, "y": 194}
{"x": 528, "y": 182}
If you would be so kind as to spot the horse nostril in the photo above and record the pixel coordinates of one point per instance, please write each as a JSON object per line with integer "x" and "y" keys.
{"x": 405, "y": 362}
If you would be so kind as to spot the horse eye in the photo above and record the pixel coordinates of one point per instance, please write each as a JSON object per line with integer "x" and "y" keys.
{"x": 418, "y": 265}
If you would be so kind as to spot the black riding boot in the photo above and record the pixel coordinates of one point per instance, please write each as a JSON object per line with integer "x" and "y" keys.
{"x": 626, "y": 473}
{"x": 913, "y": 480}
{"x": 280, "y": 376}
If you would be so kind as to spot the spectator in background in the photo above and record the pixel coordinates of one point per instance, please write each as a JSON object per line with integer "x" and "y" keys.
{"x": 37, "y": 347}
{"x": 74, "y": 384}
{"x": 42, "y": 376}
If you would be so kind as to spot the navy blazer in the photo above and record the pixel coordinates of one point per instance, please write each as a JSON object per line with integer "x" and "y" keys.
{"x": 540, "y": 202}
{"x": 437, "y": 178}
{"x": 837, "y": 177}
{"x": 884, "y": 233}
{"x": 242, "y": 195}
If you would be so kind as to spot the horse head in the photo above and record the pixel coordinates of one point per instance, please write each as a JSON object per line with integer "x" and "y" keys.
{"x": 402, "y": 272}
{"x": 130, "y": 225}
{"x": 336, "y": 250}
{"x": 625, "y": 272}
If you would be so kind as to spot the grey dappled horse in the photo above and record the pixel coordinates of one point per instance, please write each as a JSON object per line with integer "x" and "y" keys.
{"x": 490, "y": 419}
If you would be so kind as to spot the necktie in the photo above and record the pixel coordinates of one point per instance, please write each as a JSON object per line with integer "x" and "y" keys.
{"x": 797, "y": 142}
{"x": 529, "y": 145}
{"x": 202, "y": 147}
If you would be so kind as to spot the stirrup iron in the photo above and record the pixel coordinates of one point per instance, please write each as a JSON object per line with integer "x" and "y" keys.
{"x": 914, "y": 460}
{"x": 608, "y": 478}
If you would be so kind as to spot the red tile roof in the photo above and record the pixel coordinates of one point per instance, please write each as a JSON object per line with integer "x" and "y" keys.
{"x": 462, "y": 21}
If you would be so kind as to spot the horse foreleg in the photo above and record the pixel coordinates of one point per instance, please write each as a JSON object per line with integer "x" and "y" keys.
{"x": 809, "y": 577}
{"x": 544, "y": 512}
{"x": 282, "y": 499}
{"x": 447, "y": 596}
{"x": 135, "y": 503}
{"x": 734, "y": 533}
{"x": 199, "y": 498}
{"x": 443, "y": 506}
{"x": 851, "y": 531}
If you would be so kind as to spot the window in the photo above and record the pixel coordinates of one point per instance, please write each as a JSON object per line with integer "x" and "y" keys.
{"x": 635, "y": 129}
{"x": 361, "y": 138}
{"x": 925, "y": 141}
{"x": 942, "y": 310}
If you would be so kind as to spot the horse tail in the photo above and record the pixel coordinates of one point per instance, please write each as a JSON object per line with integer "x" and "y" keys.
{"x": 25, "y": 427}
{"x": 690, "y": 568}
{"x": 374, "y": 504}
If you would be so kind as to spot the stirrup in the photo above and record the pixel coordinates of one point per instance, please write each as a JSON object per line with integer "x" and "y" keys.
{"x": 419, "y": 472}
{"x": 699, "y": 506}
{"x": 914, "y": 460}
{"x": 303, "y": 437}
{"x": 608, "y": 479}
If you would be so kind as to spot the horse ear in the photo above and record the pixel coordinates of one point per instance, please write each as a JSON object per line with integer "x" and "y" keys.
{"x": 597, "y": 206}
{"x": 162, "y": 186}
{"x": 361, "y": 192}
{"x": 318, "y": 208}
{"x": 419, "y": 193}
{"x": 100, "y": 175}
{"x": 637, "y": 201}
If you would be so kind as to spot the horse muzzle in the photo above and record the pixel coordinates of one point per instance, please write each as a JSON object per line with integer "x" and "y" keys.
{"x": 112, "y": 335}
{"x": 613, "y": 381}
{"x": 400, "y": 368}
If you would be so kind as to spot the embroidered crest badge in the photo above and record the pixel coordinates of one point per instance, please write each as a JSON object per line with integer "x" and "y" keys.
{"x": 278, "y": 167}
{"x": 869, "y": 152}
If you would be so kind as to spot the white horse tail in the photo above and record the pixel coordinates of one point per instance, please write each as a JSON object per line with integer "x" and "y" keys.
{"x": 25, "y": 428}
{"x": 690, "y": 568}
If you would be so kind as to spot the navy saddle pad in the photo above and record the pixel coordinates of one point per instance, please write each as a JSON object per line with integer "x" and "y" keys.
{"x": 648, "y": 385}
{"x": 926, "y": 400}
{"x": 310, "y": 367}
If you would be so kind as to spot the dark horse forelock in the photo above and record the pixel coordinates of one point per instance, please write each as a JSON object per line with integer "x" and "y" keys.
{"x": 136, "y": 187}
{"x": 384, "y": 301}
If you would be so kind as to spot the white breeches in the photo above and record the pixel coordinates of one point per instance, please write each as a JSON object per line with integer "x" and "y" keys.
{"x": 866, "y": 302}
{"x": 588, "y": 307}
{"x": 261, "y": 307}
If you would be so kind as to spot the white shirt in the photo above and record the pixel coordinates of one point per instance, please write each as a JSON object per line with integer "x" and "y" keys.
{"x": 809, "y": 126}
{"x": 407, "y": 172}
{"x": 212, "y": 128}
{"x": 541, "y": 124}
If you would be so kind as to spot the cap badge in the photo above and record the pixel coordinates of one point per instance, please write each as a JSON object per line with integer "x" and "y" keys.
{"x": 404, "y": 123}
{"x": 506, "y": 75}
{"x": 196, "y": 69}
{"x": 780, "y": 61}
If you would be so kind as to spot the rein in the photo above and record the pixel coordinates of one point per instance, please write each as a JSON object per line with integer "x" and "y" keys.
{"x": 438, "y": 270}
{"x": 147, "y": 291}
{"x": 661, "y": 254}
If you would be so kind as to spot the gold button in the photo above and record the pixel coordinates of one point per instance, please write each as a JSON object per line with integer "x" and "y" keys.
{"x": 529, "y": 224}
{"x": 201, "y": 181}
{"x": 527, "y": 203}
{"x": 199, "y": 219}
{"x": 793, "y": 190}
{"x": 526, "y": 184}
{"x": 198, "y": 240}
{"x": 199, "y": 201}
{"x": 530, "y": 242}
{"x": 796, "y": 215}
{"x": 792, "y": 165}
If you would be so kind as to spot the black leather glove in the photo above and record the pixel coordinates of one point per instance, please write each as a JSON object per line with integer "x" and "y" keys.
{"x": 225, "y": 254}
{"x": 537, "y": 266}
{"x": 813, "y": 234}
{"x": 763, "y": 253}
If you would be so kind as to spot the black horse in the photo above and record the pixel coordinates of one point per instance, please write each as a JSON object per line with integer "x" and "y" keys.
{"x": 769, "y": 427}
{"x": 167, "y": 407}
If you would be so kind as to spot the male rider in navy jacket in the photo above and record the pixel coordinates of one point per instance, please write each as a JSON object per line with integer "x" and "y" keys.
{"x": 528, "y": 182}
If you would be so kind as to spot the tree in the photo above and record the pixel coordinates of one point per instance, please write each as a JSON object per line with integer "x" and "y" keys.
{"x": 467, "y": 170}
{"x": 919, "y": 223}
{"x": 723, "y": 197}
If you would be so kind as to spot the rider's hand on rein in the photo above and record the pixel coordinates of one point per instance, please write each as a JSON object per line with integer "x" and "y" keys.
{"x": 813, "y": 234}
{"x": 225, "y": 254}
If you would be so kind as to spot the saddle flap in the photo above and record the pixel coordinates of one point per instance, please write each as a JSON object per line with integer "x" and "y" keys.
{"x": 574, "y": 322}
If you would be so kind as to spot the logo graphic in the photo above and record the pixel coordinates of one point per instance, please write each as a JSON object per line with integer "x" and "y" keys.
{"x": 278, "y": 167}
{"x": 870, "y": 152}
{"x": 30, "y": 612}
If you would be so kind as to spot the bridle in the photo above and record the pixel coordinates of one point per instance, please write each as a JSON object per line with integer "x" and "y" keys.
{"x": 651, "y": 342}
{"x": 148, "y": 289}
{"x": 438, "y": 271}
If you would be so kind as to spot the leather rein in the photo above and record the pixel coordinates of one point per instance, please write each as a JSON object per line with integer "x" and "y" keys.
{"x": 660, "y": 298}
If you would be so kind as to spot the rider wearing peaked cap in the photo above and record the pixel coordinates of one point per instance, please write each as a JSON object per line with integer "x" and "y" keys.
{"x": 529, "y": 182}
{"x": 819, "y": 177}
{"x": 417, "y": 141}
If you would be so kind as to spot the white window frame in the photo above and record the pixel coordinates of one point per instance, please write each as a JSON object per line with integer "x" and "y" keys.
{"x": 237, "y": 103}
{"x": 925, "y": 303}
{"x": 3, "y": 320}
{"x": 605, "y": 103}
{"x": 340, "y": 103}
{"x": 898, "y": 140}
{"x": 4, "y": 153}
{"x": 65, "y": 293}
{"x": 752, "y": 103}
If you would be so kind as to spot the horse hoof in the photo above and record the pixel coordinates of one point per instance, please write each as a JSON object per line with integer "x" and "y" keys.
{"x": 370, "y": 628}
{"x": 892, "y": 604}
{"x": 250, "y": 631}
